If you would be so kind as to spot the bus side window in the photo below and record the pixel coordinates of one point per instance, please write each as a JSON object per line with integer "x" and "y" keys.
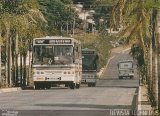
{"x": 76, "y": 48}
{"x": 76, "y": 51}
{"x": 73, "y": 55}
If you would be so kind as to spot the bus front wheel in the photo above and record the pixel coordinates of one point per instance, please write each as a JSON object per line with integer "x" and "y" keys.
{"x": 36, "y": 86}
{"x": 89, "y": 84}
{"x": 77, "y": 86}
{"x": 72, "y": 86}
{"x": 48, "y": 86}
{"x": 93, "y": 84}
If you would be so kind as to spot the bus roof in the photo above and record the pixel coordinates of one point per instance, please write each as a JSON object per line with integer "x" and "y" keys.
{"x": 57, "y": 37}
{"x": 87, "y": 49}
{"x": 125, "y": 61}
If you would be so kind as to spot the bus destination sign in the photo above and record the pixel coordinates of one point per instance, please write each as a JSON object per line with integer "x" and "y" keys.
{"x": 53, "y": 41}
{"x": 88, "y": 52}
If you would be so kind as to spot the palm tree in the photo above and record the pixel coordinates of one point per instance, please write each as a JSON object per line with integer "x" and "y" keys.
{"x": 154, "y": 83}
{"x": 18, "y": 19}
{"x": 156, "y": 33}
{"x": 1, "y": 79}
{"x": 5, "y": 19}
{"x": 28, "y": 19}
{"x": 8, "y": 60}
{"x": 5, "y": 23}
{"x": 135, "y": 17}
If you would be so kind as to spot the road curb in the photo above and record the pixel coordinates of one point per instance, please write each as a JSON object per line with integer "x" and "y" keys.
{"x": 142, "y": 98}
{"x": 139, "y": 99}
{"x": 4, "y": 90}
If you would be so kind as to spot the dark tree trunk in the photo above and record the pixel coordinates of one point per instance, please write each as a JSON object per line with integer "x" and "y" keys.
{"x": 21, "y": 71}
{"x": 8, "y": 68}
{"x": 158, "y": 52}
{"x": 16, "y": 61}
{"x": 13, "y": 59}
{"x": 24, "y": 69}
{"x": 29, "y": 69}
{"x": 16, "y": 70}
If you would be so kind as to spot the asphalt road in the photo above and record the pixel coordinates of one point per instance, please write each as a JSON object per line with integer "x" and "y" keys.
{"x": 110, "y": 76}
{"x": 111, "y": 97}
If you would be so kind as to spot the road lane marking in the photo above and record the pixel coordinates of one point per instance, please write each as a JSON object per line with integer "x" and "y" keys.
{"x": 109, "y": 61}
{"x": 125, "y": 50}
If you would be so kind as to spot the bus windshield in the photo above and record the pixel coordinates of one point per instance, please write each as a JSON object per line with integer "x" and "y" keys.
{"x": 89, "y": 62}
{"x": 52, "y": 54}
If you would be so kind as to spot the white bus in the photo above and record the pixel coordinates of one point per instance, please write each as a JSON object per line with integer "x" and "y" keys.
{"x": 126, "y": 69}
{"x": 89, "y": 67}
{"x": 56, "y": 60}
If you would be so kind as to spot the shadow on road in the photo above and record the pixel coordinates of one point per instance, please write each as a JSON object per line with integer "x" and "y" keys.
{"x": 87, "y": 106}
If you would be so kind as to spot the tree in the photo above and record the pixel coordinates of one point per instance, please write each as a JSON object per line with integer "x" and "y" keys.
{"x": 17, "y": 16}
{"x": 57, "y": 15}
{"x": 67, "y": 1}
{"x": 138, "y": 20}
{"x": 103, "y": 13}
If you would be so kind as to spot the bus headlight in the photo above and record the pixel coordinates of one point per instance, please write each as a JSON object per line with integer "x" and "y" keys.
{"x": 38, "y": 72}
{"x": 68, "y": 72}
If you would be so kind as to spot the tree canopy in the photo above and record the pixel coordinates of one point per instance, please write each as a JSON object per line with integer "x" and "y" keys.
{"x": 57, "y": 14}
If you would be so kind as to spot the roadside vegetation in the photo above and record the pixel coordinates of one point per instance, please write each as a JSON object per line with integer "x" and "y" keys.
{"x": 23, "y": 20}
{"x": 99, "y": 42}
{"x": 139, "y": 20}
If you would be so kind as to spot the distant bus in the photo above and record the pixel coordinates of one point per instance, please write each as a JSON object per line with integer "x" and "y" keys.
{"x": 89, "y": 67}
{"x": 56, "y": 60}
{"x": 126, "y": 69}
